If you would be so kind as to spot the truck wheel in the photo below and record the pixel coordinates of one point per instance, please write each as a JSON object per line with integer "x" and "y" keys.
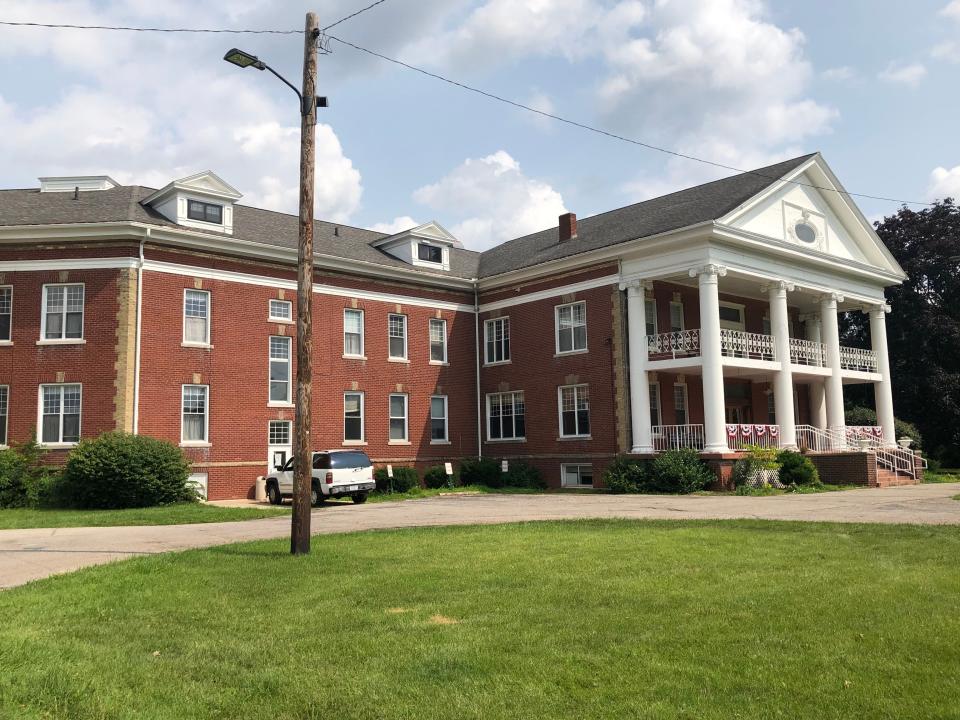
{"x": 359, "y": 498}
{"x": 316, "y": 497}
{"x": 273, "y": 494}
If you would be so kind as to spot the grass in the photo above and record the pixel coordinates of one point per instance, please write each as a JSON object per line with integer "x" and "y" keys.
{"x": 797, "y": 490}
{"x": 167, "y": 515}
{"x": 591, "y": 619}
{"x": 419, "y": 493}
{"x": 943, "y": 476}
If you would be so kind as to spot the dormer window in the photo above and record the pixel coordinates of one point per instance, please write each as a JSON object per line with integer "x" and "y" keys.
{"x": 429, "y": 253}
{"x": 205, "y": 212}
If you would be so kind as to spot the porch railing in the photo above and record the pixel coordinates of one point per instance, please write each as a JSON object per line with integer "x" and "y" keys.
{"x": 740, "y": 344}
{"x": 819, "y": 439}
{"x": 685, "y": 343}
{"x": 739, "y": 436}
{"x": 858, "y": 359}
{"x": 870, "y": 436}
{"x": 807, "y": 352}
{"x": 896, "y": 459}
{"x": 675, "y": 437}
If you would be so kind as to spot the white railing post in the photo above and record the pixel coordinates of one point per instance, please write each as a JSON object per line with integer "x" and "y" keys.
{"x": 782, "y": 378}
{"x": 639, "y": 381}
{"x": 713, "y": 407}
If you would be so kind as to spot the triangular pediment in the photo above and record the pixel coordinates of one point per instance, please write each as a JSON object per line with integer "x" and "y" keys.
{"x": 209, "y": 182}
{"x": 428, "y": 231}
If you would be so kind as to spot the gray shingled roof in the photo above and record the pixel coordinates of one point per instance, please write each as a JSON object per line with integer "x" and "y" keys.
{"x": 651, "y": 217}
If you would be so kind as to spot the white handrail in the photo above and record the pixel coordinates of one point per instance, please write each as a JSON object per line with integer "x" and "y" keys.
{"x": 897, "y": 460}
{"x": 819, "y": 439}
{"x": 675, "y": 437}
{"x": 752, "y": 346}
{"x": 807, "y": 352}
{"x": 685, "y": 343}
{"x": 852, "y": 358}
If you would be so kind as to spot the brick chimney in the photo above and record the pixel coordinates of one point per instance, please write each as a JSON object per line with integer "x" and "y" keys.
{"x": 568, "y": 227}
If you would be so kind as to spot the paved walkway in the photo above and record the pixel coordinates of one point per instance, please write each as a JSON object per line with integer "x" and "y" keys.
{"x": 27, "y": 555}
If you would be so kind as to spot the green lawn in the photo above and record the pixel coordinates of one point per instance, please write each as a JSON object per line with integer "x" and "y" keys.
{"x": 598, "y": 619}
{"x": 166, "y": 515}
{"x": 944, "y": 476}
{"x": 419, "y": 493}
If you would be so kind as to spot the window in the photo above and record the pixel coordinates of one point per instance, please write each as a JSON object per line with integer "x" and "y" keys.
{"x": 279, "y": 369}
{"x": 62, "y": 312}
{"x": 398, "y": 418}
{"x": 731, "y": 316}
{"x": 805, "y": 232}
{"x": 6, "y": 313}
{"x": 353, "y": 333}
{"x": 574, "y": 411}
{"x": 193, "y": 427}
{"x": 572, "y": 327}
{"x": 429, "y": 253}
{"x": 438, "y": 341}
{"x": 766, "y": 325}
{"x": 655, "y": 418}
{"x": 4, "y": 397}
{"x": 397, "y": 329}
{"x": 205, "y": 212}
{"x": 650, "y": 310}
{"x": 505, "y": 416}
{"x": 497, "y": 340}
{"x": 60, "y": 413}
{"x": 281, "y": 310}
{"x": 196, "y": 317}
{"x": 353, "y": 417}
{"x": 438, "y": 418}
{"x": 771, "y": 408}
{"x": 681, "y": 417}
{"x": 278, "y": 432}
{"x": 576, "y": 475}
{"x": 676, "y": 316}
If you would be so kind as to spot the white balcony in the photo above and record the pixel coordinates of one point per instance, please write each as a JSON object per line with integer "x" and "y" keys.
{"x": 673, "y": 345}
{"x": 749, "y": 346}
{"x": 807, "y": 352}
{"x": 858, "y": 359}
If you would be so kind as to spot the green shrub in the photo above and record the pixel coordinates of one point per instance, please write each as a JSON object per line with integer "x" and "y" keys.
{"x": 627, "y": 475}
{"x": 481, "y": 471}
{"x": 404, "y": 479}
{"x": 24, "y": 480}
{"x": 679, "y": 472}
{"x": 119, "y": 470}
{"x": 13, "y": 468}
{"x": 757, "y": 458}
{"x": 859, "y": 415}
{"x": 524, "y": 475}
{"x": 436, "y": 477}
{"x": 797, "y": 469}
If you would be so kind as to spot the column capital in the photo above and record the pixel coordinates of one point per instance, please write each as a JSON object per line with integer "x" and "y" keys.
{"x": 778, "y": 285}
{"x": 634, "y": 286}
{"x": 878, "y": 309}
{"x": 834, "y": 297}
{"x": 813, "y": 318}
{"x": 709, "y": 269}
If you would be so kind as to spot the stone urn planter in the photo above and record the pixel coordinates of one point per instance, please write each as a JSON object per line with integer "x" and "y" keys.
{"x": 905, "y": 442}
{"x": 863, "y": 443}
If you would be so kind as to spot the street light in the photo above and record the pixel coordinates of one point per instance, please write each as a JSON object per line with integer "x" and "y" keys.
{"x": 303, "y": 453}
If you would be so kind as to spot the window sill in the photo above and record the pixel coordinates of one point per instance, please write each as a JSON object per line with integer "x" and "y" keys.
{"x": 572, "y": 352}
{"x": 66, "y": 341}
{"x": 498, "y": 362}
{"x": 577, "y": 487}
{"x": 440, "y": 363}
{"x": 506, "y": 440}
{"x": 354, "y": 443}
{"x": 566, "y": 438}
{"x": 281, "y": 321}
{"x": 280, "y": 405}
{"x": 398, "y": 360}
{"x": 202, "y": 346}
{"x": 398, "y": 442}
{"x": 439, "y": 442}
{"x": 57, "y": 445}
{"x": 354, "y": 357}
{"x": 195, "y": 445}
{"x": 6, "y": 343}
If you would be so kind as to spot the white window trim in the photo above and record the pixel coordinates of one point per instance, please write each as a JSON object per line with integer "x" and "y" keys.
{"x": 487, "y": 325}
{"x": 9, "y": 341}
{"x": 44, "y": 340}
{"x": 206, "y": 418}
{"x": 406, "y": 419}
{"x": 446, "y": 420}
{"x": 406, "y": 337}
{"x": 686, "y": 402}
{"x": 563, "y": 474}
{"x": 6, "y": 428}
{"x": 727, "y": 324}
{"x": 443, "y": 324}
{"x": 40, "y": 414}
{"x": 556, "y": 329}
{"x": 363, "y": 328}
{"x": 270, "y": 361}
{"x": 560, "y": 410}
{"x": 275, "y": 318}
{"x": 289, "y": 425}
{"x": 183, "y": 317}
{"x": 515, "y": 438}
{"x": 683, "y": 323}
{"x": 363, "y": 418}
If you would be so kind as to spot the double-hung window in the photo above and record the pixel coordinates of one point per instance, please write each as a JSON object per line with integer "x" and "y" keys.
{"x": 574, "y": 411}
{"x": 60, "y": 414}
{"x": 650, "y": 312}
{"x": 194, "y": 409}
{"x": 438, "y": 341}
{"x": 655, "y": 405}
{"x": 572, "y": 327}
{"x": 353, "y": 417}
{"x": 205, "y": 212}
{"x": 280, "y": 365}
{"x": 398, "y": 418}
{"x": 352, "y": 333}
{"x": 676, "y": 316}
{"x": 681, "y": 415}
{"x": 497, "y": 340}
{"x": 281, "y": 311}
{"x": 4, "y": 401}
{"x": 196, "y": 317}
{"x": 62, "y": 312}
{"x": 6, "y": 313}
{"x": 438, "y": 419}
{"x": 505, "y": 416}
{"x": 397, "y": 331}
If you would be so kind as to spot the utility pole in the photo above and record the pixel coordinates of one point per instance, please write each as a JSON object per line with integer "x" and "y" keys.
{"x": 303, "y": 471}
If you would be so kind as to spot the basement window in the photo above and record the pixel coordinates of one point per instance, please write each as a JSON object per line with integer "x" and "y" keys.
{"x": 205, "y": 212}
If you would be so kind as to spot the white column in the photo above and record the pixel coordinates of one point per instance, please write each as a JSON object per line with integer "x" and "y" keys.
{"x": 831, "y": 340}
{"x": 883, "y": 390}
{"x": 714, "y": 425}
{"x": 639, "y": 381}
{"x": 818, "y": 399}
{"x": 783, "y": 378}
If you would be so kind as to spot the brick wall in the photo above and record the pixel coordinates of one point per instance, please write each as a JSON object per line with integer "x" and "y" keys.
{"x": 852, "y": 468}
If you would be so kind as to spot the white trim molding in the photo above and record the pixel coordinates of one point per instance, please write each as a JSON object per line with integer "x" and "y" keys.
{"x": 551, "y": 293}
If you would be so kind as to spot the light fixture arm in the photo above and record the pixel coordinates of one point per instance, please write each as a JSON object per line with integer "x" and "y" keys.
{"x": 304, "y": 110}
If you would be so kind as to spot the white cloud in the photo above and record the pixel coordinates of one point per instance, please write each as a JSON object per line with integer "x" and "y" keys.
{"x": 952, "y": 10}
{"x": 839, "y": 74}
{"x": 398, "y": 224}
{"x": 910, "y": 74}
{"x": 944, "y": 183}
{"x": 494, "y": 201}
{"x": 950, "y": 49}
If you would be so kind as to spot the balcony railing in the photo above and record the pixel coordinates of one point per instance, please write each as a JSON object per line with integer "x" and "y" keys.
{"x": 751, "y": 346}
{"x": 685, "y": 343}
{"x": 675, "y": 437}
{"x": 858, "y": 359}
{"x": 807, "y": 352}
{"x": 739, "y": 436}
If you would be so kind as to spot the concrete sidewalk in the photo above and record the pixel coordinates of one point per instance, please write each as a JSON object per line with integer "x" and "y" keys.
{"x": 27, "y": 555}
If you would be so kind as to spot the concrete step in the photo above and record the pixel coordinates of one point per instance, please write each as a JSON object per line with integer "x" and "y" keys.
{"x": 889, "y": 478}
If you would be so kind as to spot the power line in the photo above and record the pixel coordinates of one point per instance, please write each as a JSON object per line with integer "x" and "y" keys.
{"x": 151, "y": 29}
{"x": 352, "y": 15}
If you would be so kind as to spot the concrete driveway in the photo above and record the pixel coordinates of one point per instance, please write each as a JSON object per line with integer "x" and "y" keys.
{"x": 27, "y": 555}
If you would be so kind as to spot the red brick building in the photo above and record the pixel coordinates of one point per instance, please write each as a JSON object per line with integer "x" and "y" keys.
{"x": 170, "y": 313}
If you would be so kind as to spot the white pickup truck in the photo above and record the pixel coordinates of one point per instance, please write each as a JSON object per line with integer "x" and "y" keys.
{"x": 336, "y": 473}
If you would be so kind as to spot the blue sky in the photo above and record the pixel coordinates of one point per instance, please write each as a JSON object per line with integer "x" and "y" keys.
{"x": 743, "y": 82}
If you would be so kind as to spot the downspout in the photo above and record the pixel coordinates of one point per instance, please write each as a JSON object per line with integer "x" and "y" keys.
{"x": 136, "y": 362}
{"x": 476, "y": 345}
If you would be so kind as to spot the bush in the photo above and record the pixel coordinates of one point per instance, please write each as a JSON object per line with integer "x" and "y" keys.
{"x": 404, "y": 479}
{"x": 679, "y": 472}
{"x": 481, "y": 471}
{"x": 24, "y": 480}
{"x": 797, "y": 469}
{"x": 436, "y": 477}
{"x": 524, "y": 475}
{"x": 118, "y": 470}
{"x": 868, "y": 416}
{"x": 627, "y": 475}
{"x": 759, "y": 465}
